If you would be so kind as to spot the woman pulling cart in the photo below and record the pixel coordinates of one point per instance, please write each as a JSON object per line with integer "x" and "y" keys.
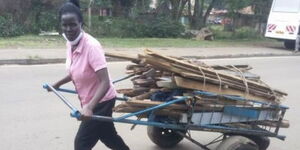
{"x": 87, "y": 69}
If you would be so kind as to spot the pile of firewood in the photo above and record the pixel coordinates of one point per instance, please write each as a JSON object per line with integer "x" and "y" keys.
{"x": 153, "y": 73}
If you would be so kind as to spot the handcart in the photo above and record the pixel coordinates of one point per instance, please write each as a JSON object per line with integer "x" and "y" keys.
{"x": 247, "y": 126}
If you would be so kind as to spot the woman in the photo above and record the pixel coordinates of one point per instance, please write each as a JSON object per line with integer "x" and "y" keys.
{"x": 87, "y": 69}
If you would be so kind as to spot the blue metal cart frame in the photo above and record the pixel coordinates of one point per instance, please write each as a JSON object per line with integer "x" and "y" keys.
{"x": 189, "y": 124}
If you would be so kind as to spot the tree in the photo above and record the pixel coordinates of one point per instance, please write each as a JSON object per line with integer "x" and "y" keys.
{"x": 177, "y": 8}
{"x": 261, "y": 10}
{"x": 197, "y": 12}
{"x": 202, "y": 9}
{"x": 121, "y": 8}
{"x": 233, "y": 7}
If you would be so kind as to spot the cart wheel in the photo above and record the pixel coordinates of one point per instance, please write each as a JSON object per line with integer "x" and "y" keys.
{"x": 164, "y": 138}
{"x": 237, "y": 143}
{"x": 261, "y": 141}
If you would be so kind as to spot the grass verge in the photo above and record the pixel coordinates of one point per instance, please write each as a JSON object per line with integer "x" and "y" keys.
{"x": 34, "y": 41}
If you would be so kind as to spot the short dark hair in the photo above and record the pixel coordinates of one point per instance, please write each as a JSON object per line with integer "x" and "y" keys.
{"x": 71, "y": 6}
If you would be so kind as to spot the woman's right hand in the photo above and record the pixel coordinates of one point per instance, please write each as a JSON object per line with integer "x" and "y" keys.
{"x": 55, "y": 86}
{"x": 64, "y": 80}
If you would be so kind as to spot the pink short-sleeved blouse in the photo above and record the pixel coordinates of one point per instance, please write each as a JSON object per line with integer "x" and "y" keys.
{"x": 82, "y": 65}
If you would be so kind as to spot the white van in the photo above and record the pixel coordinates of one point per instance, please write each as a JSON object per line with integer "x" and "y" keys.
{"x": 283, "y": 21}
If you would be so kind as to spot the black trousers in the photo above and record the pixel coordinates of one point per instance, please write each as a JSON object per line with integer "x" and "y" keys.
{"x": 91, "y": 131}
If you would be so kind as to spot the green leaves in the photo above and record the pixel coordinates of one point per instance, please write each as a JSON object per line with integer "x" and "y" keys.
{"x": 9, "y": 28}
{"x": 234, "y": 5}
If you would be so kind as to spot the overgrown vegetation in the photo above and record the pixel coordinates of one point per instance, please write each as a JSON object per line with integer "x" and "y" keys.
{"x": 9, "y": 28}
{"x": 239, "y": 33}
{"x": 160, "y": 27}
{"x": 33, "y": 42}
{"x": 129, "y": 18}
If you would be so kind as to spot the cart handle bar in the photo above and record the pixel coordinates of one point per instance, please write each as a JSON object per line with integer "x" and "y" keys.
{"x": 46, "y": 86}
{"x": 74, "y": 113}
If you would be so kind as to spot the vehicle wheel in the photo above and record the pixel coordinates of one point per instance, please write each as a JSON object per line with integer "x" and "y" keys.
{"x": 164, "y": 138}
{"x": 261, "y": 141}
{"x": 289, "y": 44}
{"x": 237, "y": 143}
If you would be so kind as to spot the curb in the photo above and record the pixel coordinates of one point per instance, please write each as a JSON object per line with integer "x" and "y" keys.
{"x": 110, "y": 59}
{"x": 44, "y": 61}
{"x": 242, "y": 56}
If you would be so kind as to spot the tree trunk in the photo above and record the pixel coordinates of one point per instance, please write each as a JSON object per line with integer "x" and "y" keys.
{"x": 177, "y": 8}
{"x": 190, "y": 12}
{"x": 196, "y": 16}
{"x": 117, "y": 8}
{"x": 199, "y": 18}
{"x": 183, "y": 3}
{"x": 206, "y": 15}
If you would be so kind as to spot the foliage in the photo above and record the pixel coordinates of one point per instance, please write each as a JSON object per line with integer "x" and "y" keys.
{"x": 234, "y": 5}
{"x": 162, "y": 26}
{"x": 245, "y": 33}
{"x": 103, "y": 3}
{"x": 240, "y": 33}
{"x": 219, "y": 33}
{"x": 262, "y": 8}
{"x": 121, "y": 27}
{"x": 43, "y": 21}
{"x": 113, "y": 27}
{"x": 9, "y": 28}
{"x": 54, "y": 42}
{"x": 34, "y": 16}
{"x": 202, "y": 9}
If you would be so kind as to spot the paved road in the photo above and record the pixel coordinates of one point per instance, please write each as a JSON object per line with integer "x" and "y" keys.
{"x": 32, "y": 119}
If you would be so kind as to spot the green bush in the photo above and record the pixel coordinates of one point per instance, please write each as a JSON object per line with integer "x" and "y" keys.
{"x": 219, "y": 33}
{"x": 9, "y": 28}
{"x": 245, "y": 33}
{"x": 113, "y": 27}
{"x": 121, "y": 27}
{"x": 43, "y": 21}
{"x": 163, "y": 27}
{"x": 240, "y": 33}
{"x": 48, "y": 21}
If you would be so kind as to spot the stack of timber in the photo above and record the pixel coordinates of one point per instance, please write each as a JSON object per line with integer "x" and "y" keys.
{"x": 154, "y": 73}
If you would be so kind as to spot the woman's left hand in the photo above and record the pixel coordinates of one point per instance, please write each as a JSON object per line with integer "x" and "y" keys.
{"x": 86, "y": 113}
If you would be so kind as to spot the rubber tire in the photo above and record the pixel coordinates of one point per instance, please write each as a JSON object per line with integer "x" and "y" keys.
{"x": 261, "y": 141}
{"x": 289, "y": 44}
{"x": 164, "y": 138}
{"x": 237, "y": 143}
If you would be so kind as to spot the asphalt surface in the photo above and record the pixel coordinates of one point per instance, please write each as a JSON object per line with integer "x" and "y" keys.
{"x": 33, "y": 119}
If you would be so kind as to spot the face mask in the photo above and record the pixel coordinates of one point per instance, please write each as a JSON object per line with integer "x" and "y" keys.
{"x": 75, "y": 42}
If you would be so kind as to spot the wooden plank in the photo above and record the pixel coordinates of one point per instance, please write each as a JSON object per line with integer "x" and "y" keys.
{"x": 220, "y": 101}
{"x": 146, "y": 95}
{"x": 229, "y": 67}
{"x": 144, "y": 82}
{"x": 228, "y": 85}
{"x": 215, "y": 79}
{"x": 283, "y": 124}
{"x": 149, "y": 103}
{"x": 210, "y": 71}
{"x": 167, "y": 66}
{"x": 180, "y": 107}
{"x": 132, "y": 66}
{"x": 166, "y": 84}
{"x": 122, "y": 91}
{"x": 133, "y": 92}
{"x": 163, "y": 65}
{"x": 125, "y": 108}
{"x": 123, "y": 56}
{"x": 192, "y": 84}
